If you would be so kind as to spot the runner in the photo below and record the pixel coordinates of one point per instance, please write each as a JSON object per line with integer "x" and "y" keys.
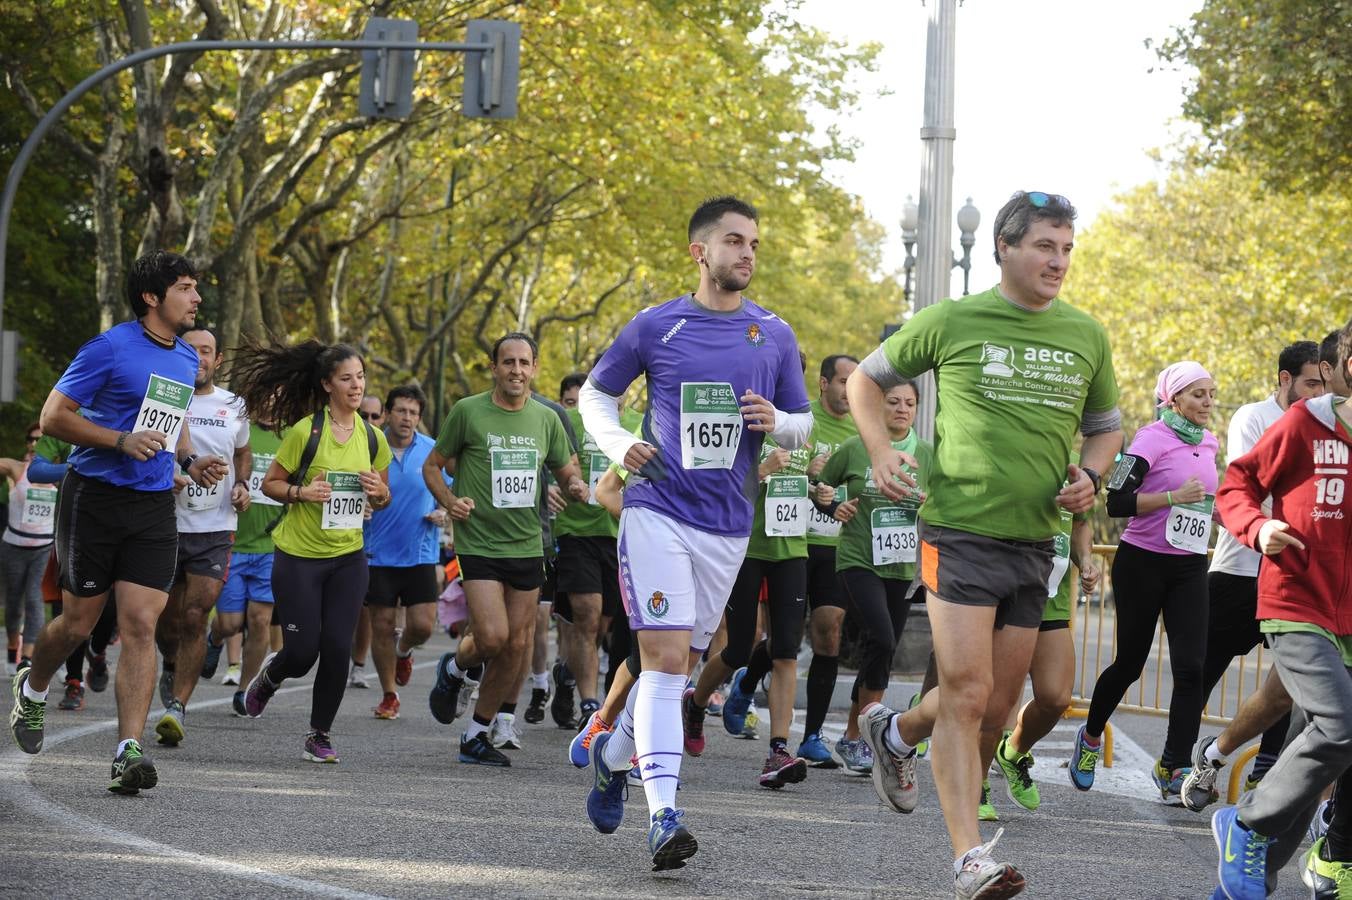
{"x": 876, "y": 554}
{"x": 402, "y": 542}
{"x": 776, "y": 557}
{"x": 327, "y": 472}
{"x": 115, "y": 522}
{"x": 1166, "y": 484}
{"x": 246, "y": 601}
{"x": 716, "y": 365}
{"x": 26, "y": 544}
{"x": 1012, "y": 361}
{"x": 832, "y": 426}
{"x": 1305, "y": 606}
{"x": 494, "y": 444}
{"x": 373, "y": 411}
{"x": 206, "y": 529}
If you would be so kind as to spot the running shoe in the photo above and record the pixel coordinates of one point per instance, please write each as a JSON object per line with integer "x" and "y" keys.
{"x": 856, "y": 755}
{"x": 1199, "y": 788}
{"x": 133, "y": 771}
{"x": 982, "y": 878}
{"x": 893, "y": 776}
{"x": 751, "y": 728}
{"x": 671, "y": 842}
{"x": 818, "y": 755}
{"x": 169, "y": 730}
{"x": 356, "y": 676}
{"x": 388, "y": 707}
{"x": 212, "y": 660}
{"x": 1242, "y": 870}
{"x": 403, "y": 669}
{"x": 579, "y": 748}
{"x": 1251, "y": 783}
{"x": 26, "y": 718}
{"x": 693, "y": 722}
{"x": 605, "y": 801}
{"x": 1084, "y": 761}
{"x": 97, "y": 676}
{"x": 535, "y": 712}
{"x": 922, "y": 748}
{"x": 166, "y": 687}
{"x": 319, "y": 749}
{"x": 503, "y": 732}
{"x": 1326, "y": 879}
{"x": 781, "y": 769}
{"x": 1019, "y": 783}
{"x": 260, "y": 690}
{"x": 985, "y": 810}
{"x": 74, "y": 698}
{"x": 736, "y": 704}
{"x": 444, "y": 699}
{"x": 479, "y": 752}
{"x": 561, "y": 708}
{"x": 237, "y": 706}
{"x": 231, "y": 675}
{"x": 1319, "y": 825}
{"x": 1169, "y": 781}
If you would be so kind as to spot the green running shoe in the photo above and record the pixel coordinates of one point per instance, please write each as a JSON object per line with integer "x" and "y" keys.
{"x": 132, "y": 771}
{"x": 26, "y": 719}
{"x": 1326, "y": 879}
{"x": 985, "y": 810}
{"x": 1019, "y": 781}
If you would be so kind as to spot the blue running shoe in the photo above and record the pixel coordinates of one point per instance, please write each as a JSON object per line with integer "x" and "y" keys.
{"x": 1242, "y": 870}
{"x": 671, "y": 842}
{"x": 444, "y": 697}
{"x": 605, "y": 802}
{"x": 818, "y": 755}
{"x": 736, "y": 705}
{"x": 1169, "y": 781}
{"x": 579, "y": 749}
{"x": 1083, "y": 762}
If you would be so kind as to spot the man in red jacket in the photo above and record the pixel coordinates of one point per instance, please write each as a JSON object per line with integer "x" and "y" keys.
{"x": 1305, "y": 606}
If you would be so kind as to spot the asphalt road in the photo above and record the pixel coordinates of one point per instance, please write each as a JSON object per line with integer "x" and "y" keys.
{"x": 239, "y": 813}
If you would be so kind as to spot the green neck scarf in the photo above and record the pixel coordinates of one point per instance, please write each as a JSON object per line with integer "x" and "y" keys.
{"x": 906, "y": 444}
{"x": 1187, "y": 432}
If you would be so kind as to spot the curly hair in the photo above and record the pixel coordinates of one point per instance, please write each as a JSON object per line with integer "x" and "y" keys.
{"x": 283, "y": 384}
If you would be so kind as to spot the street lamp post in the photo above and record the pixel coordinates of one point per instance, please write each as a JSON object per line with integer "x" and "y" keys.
{"x": 969, "y": 219}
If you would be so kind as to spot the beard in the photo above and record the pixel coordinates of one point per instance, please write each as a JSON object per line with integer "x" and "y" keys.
{"x": 728, "y": 279}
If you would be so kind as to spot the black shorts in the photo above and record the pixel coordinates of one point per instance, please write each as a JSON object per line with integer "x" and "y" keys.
{"x": 823, "y": 588}
{"x": 1053, "y": 625}
{"x": 205, "y": 553}
{"x": 106, "y": 533}
{"x": 402, "y": 585}
{"x": 589, "y": 565}
{"x": 975, "y": 570}
{"x": 1232, "y": 624}
{"x": 518, "y": 574}
{"x": 549, "y": 586}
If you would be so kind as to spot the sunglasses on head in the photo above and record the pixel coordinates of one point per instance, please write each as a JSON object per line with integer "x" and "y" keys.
{"x": 1041, "y": 199}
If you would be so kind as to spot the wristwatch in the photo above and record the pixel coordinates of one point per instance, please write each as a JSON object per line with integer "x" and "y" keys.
{"x": 1094, "y": 476}
{"x": 186, "y": 462}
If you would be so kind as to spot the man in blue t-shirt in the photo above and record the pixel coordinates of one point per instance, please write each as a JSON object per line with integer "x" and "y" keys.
{"x": 402, "y": 541}
{"x": 123, "y": 403}
{"x": 722, "y": 373}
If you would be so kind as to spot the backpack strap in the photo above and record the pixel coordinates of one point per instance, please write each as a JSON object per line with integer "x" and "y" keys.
{"x": 307, "y": 456}
{"x": 371, "y": 444}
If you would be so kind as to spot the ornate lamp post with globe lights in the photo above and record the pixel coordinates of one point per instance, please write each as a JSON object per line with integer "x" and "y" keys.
{"x": 969, "y": 219}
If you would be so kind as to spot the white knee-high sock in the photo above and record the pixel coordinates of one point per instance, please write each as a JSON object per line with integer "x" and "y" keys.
{"x": 619, "y": 750}
{"x": 658, "y": 736}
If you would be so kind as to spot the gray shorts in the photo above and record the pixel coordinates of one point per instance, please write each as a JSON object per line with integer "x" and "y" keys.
{"x": 206, "y": 553}
{"x": 975, "y": 570}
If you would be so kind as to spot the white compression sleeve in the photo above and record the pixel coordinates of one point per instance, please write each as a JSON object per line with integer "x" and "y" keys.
{"x": 658, "y": 736}
{"x": 601, "y": 418}
{"x": 792, "y": 429}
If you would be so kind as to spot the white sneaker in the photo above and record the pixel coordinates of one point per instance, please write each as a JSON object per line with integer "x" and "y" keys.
{"x": 231, "y": 675}
{"x": 982, "y": 878}
{"x": 502, "y": 734}
{"x": 893, "y": 776}
{"x": 357, "y": 677}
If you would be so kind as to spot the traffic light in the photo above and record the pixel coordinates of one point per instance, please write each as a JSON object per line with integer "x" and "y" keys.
{"x": 491, "y": 78}
{"x": 387, "y": 75}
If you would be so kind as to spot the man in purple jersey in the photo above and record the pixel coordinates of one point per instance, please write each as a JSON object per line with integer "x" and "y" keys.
{"x": 722, "y": 372}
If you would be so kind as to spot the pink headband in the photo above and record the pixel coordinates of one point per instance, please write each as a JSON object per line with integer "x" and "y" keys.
{"x": 1177, "y": 377}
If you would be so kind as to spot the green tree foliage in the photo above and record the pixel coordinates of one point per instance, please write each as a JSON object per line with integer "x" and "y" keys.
{"x": 1210, "y": 266}
{"x": 1274, "y": 84}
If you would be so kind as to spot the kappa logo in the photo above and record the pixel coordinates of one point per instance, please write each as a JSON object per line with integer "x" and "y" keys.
{"x": 754, "y": 336}
{"x": 652, "y": 766}
{"x": 675, "y": 328}
{"x": 659, "y": 605}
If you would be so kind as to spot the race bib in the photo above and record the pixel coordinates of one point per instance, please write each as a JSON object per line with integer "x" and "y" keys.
{"x": 346, "y": 505}
{"x": 599, "y": 464}
{"x": 1188, "y": 526}
{"x": 786, "y": 505}
{"x": 515, "y": 475}
{"x": 820, "y": 524}
{"x": 894, "y": 535}
{"x": 198, "y": 498}
{"x": 261, "y": 463}
{"x": 164, "y": 408}
{"x": 39, "y": 510}
{"x": 711, "y": 425}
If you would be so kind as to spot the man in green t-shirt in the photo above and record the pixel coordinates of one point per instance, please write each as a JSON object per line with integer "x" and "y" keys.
{"x": 493, "y": 444}
{"x": 1019, "y": 372}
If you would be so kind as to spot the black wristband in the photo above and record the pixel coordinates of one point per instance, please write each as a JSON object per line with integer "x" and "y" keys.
{"x": 1094, "y": 476}
{"x": 186, "y": 462}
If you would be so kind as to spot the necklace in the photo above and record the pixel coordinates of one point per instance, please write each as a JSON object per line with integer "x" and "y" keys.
{"x": 155, "y": 338}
